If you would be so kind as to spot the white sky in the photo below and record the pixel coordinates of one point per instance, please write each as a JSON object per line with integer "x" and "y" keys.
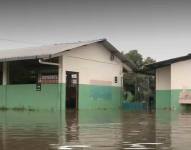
{"x": 159, "y": 29}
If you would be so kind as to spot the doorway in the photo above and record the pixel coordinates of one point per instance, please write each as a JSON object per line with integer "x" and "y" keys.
{"x": 72, "y": 83}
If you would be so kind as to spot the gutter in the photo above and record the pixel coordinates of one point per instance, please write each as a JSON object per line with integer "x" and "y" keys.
{"x": 48, "y": 63}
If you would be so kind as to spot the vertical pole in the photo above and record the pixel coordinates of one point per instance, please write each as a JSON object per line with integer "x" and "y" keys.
{"x": 135, "y": 88}
{"x": 122, "y": 86}
{"x": 61, "y": 78}
{"x": 4, "y": 82}
{"x": 61, "y": 92}
{"x": 5, "y": 73}
{"x": 60, "y": 70}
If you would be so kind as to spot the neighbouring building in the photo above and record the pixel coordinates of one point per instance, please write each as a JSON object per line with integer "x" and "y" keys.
{"x": 81, "y": 75}
{"x": 173, "y": 83}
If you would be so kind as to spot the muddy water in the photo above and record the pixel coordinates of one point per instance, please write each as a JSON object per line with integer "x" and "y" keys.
{"x": 95, "y": 130}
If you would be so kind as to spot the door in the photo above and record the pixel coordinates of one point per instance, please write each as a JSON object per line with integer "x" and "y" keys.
{"x": 72, "y": 80}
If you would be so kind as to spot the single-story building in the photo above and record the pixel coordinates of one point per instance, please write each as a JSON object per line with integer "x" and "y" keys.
{"x": 81, "y": 75}
{"x": 173, "y": 83}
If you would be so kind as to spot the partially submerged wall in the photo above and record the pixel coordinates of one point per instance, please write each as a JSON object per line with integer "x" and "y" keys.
{"x": 25, "y": 96}
{"x": 180, "y": 81}
{"x": 97, "y": 86}
{"x": 171, "y": 81}
{"x": 163, "y": 88}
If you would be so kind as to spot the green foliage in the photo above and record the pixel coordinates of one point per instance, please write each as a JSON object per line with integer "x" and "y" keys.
{"x": 135, "y": 57}
{"x": 140, "y": 85}
{"x": 148, "y": 60}
{"x": 130, "y": 96}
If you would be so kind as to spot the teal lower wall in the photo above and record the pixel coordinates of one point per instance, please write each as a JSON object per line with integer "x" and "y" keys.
{"x": 169, "y": 99}
{"x": 163, "y": 99}
{"x": 26, "y": 96}
{"x": 52, "y": 97}
{"x": 99, "y": 97}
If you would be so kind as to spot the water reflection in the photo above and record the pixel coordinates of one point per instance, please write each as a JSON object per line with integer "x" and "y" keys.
{"x": 101, "y": 129}
{"x": 24, "y": 130}
{"x": 68, "y": 131}
{"x": 4, "y": 131}
{"x": 72, "y": 127}
{"x": 138, "y": 130}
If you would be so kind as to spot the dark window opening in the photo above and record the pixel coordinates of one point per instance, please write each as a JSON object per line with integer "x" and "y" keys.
{"x": 112, "y": 57}
{"x": 72, "y": 81}
{"x": 31, "y": 72}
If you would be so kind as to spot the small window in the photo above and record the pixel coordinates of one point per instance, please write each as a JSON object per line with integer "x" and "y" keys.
{"x": 74, "y": 76}
{"x": 112, "y": 57}
{"x": 115, "y": 79}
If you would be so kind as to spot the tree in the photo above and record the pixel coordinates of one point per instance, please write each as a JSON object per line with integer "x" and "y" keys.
{"x": 135, "y": 57}
{"x": 148, "y": 60}
{"x": 139, "y": 84}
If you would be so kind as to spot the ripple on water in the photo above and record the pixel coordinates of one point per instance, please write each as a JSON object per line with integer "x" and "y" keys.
{"x": 96, "y": 130}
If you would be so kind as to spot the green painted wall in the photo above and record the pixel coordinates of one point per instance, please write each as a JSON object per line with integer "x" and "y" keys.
{"x": 93, "y": 96}
{"x": 175, "y": 101}
{"x": 2, "y": 96}
{"x": 163, "y": 99}
{"x": 52, "y": 97}
{"x": 169, "y": 99}
{"x": 26, "y": 96}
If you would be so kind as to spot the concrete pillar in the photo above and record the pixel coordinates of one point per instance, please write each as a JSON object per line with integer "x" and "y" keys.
{"x": 4, "y": 82}
{"x": 5, "y": 73}
{"x": 61, "y": 81}
{"x": 60, "y": 70}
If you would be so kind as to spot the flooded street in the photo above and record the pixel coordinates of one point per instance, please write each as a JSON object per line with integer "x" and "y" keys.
{"x": 99, "y": 129}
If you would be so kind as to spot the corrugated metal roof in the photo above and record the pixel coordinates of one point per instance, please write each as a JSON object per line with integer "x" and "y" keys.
{"x": 168, "y": 62}
{"x": 42, "y": 51}
{"x": 55, "y": 50}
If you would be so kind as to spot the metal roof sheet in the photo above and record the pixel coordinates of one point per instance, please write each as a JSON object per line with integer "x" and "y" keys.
{"x": 55, "y": 50}
{"x": 168, "y": 62}
{"x": 41, "y": 51}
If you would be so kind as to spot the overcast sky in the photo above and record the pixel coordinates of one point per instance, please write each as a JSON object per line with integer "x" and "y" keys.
{"x": 157, "y": 28}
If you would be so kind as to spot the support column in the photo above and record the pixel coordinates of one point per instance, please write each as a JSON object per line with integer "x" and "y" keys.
{"x": 60, "y": 70}
{"x": 4, "y": 82}
{"x": 5, "y": 73}
{"x": 61, "y": 82}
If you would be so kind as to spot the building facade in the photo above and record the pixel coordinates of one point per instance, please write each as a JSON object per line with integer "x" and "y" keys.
{"x": 173, "y": 83}
{"x": 82, "y": 75}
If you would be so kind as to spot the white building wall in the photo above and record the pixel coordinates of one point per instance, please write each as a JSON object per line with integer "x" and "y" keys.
{"x": 163, "y": 78}
{"x": 181, "y": 75}
{"x": 93, "y": 64}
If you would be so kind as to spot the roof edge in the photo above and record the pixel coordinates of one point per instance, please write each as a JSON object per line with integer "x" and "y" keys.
{"x": 117, "y": 53}
{"x": 168, "y": 62}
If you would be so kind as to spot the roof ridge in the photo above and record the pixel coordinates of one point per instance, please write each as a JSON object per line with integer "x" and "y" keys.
{"x": 96, "y": 40}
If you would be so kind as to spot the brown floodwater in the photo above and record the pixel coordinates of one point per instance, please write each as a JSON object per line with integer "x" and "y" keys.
{"x": 94, "y": 130}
